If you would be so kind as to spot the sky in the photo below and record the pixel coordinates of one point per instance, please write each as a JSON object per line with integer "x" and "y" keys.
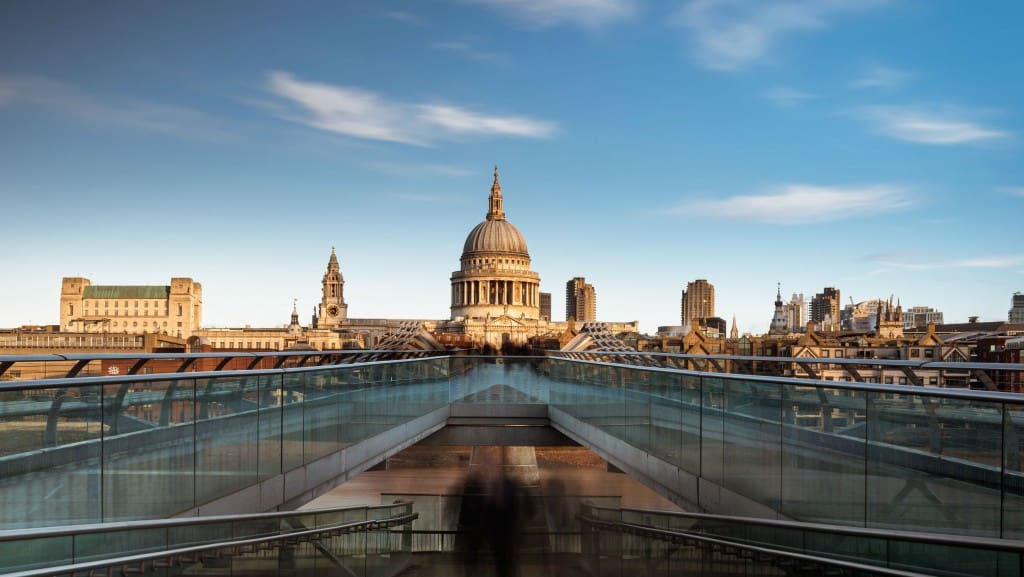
{"x": 871, "y": 145}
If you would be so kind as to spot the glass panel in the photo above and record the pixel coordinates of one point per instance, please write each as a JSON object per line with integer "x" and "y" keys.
{"x": 50, "y": 448}
{"x": 943, "y": 559}
{"x": 921, "y": 450}
{"x": 712, "y": 427}
{"x": 226, "y": 436}
{"x": 636, "y": 407}
{"x": 666, "y": 417}
{"x": 753, "y": 440}
{"x": 291, "y": 396}
{"x": 270, "y": 413}
{"x": 321, "y": 415}
{"x": 1013, "y": 475}
{"x": 93, "y": 546}
{"x": 25, "y": 554}
{"x": 823, "y": 466}
{"x": 148, "y": 463}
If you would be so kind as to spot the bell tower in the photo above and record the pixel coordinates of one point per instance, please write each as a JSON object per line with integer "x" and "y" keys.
{"x": 333, "y": 310}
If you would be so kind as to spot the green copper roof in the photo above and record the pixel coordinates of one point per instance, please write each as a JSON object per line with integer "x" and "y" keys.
{"x": 127, "y": 292}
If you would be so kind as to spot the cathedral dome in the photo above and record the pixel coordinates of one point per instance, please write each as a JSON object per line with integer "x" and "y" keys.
{"x": 492, "y": 236}
{"x": 495, "y": 280}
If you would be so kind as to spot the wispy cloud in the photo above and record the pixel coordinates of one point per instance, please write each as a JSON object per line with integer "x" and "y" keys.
{"x": 914, "y": 124}
{"x": 364, "y": 114}
{"x": 787, "y": 97}
{"x": 794, "y": 204}
{"x": 116, "y": 111}
{"x": 403, "y": 16}
{"x": 419, "y": 169}
{"x": 1012, "y": 190}
{"x": 589, "y": 14}
{"x": 986, "y": 262}
{"x": 731, "y": 34}
{"x": 881, "y": 77}
{"x": 470, "y": 52}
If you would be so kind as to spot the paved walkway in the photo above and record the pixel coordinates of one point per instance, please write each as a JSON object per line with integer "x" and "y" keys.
{"x": 367, "y": 488}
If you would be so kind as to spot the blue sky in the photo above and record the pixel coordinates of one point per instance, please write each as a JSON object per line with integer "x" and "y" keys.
{"x": 871, "y": 145}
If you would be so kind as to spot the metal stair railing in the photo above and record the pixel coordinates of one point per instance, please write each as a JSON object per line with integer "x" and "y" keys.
{"x": 142, "y": 563}
{"x": 927, "y": 553}
{"x": 40, "y": 549}
{"x": 716, "y": 556}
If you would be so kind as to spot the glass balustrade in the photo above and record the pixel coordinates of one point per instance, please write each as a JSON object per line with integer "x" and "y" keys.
{"x": 879, "y": 456}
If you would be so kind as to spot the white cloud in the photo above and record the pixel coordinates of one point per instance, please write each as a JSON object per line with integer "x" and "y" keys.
{"x": 929, "y": 127}
{"x": 1012, "y": 190}
{"x": 419, "y": 169}
{"x": 470, "y": 52}
{"x": 881, "y": 77}
{"x": 403, "y": 16}
{"x": 589, "y": 14}
{"x": 364, "y": 114}
{"x": 787, "y": 97}
{"x": 145, "y": 116}
{"x": 988, "y": 262}
{"x": 802, "y": 204}
{"x": 731, "y": 34}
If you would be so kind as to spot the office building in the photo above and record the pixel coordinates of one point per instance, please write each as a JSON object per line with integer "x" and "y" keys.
{"x": 1016, "y": 313}
{"x": 174, "y": 309}
{"x": 825, "y": 311}
{"x": 580, "y": 300}
{"x": 698, "y": 301}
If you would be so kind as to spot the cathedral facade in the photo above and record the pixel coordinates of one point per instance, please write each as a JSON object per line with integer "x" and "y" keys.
{"x": 495, "y": 297}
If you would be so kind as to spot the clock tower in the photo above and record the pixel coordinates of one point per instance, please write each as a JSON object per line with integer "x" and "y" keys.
{"x": 332, "y": 310}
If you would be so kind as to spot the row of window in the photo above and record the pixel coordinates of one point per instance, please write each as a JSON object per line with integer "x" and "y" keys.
{"x": 144, "y": 313}
{"x": 106, "y": 303}
{"x": 494, "y": 262}
{"x": 56, "y": 341}
{"x": 135, "y": 313}
{"x": 247, "y": 345}
{"x": 886, "y": 380}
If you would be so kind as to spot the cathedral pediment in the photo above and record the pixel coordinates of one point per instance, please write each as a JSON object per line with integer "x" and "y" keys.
{"x": 503, "y": 322}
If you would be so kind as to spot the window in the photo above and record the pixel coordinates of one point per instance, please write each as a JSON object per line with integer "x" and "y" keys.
{"x": 929, "y": 353}
{"x": 135, "y": 323}
{"x": 824, "y": 354}
{"x": 933, "y": 380}
{"x": 888, "y": 380}
{"x": 839, "y": 354}
{"x": 915, "y": 353}
{"x": 179, "y": 313}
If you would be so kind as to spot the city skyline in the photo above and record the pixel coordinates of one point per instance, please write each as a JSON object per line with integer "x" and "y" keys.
{"x": 642, "y": 145}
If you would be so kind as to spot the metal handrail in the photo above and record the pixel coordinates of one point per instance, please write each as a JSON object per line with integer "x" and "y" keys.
{"x": 89, "y": 566}
{"x": 108, "y": 379}
{"x": 671, "y": 535}
{"x": 967, "y": 394}
{"x": 92, "y": 528}
{"x": 1006, "y": 545}
{"x": 210, "y": 355}
{"x": 932, "y": 364}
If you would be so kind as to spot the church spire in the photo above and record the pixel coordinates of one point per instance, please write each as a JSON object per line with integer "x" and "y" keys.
{"x": 495, "y": 210}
